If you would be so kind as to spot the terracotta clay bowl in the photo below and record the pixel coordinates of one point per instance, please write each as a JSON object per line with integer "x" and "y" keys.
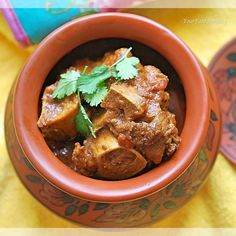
{"x": 138, "y": 200}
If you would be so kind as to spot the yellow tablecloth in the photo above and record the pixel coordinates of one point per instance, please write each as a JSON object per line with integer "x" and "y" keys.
{"x": 205, "y": 31}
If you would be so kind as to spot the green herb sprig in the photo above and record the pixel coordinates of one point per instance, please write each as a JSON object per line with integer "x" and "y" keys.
{"x": 93, "y": 86}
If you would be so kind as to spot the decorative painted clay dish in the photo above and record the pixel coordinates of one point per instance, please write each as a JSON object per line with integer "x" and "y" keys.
{"x": 223, "y": 71}
{"x": 138, "y": 200}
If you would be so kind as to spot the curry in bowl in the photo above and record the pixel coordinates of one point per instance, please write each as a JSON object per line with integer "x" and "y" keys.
{"x": 109, "y": 118}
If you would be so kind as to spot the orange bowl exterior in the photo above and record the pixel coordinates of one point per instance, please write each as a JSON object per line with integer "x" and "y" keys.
{"x": 127, "y": 203}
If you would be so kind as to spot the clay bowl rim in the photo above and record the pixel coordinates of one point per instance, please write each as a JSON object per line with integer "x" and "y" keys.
{"x": 68, "y": 37}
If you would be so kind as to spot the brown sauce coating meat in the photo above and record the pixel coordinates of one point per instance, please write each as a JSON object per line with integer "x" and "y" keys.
{"x": 133, "y": 125}
{"x": 57, "y": 116}
{"x": 103, "y": 157}
{"x": 123, "y": 97}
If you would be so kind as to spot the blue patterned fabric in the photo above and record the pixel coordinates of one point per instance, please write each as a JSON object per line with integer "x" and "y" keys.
{"x": 38, "y": 22}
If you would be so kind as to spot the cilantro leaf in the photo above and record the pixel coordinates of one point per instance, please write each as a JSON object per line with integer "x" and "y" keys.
{"x": 67, "y": 85}
{"x": 97, "y": 97}
{"x": 123, "y": 57}
{"x": 114, "y": 73}
{"x": 126, "y": 69}
{"x": 88, "y": 83}
{"x": 83, "y": 124}
{"x": 98, "y": 70}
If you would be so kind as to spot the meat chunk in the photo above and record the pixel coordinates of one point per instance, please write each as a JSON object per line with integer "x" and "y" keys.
{"x": 150, "y": 80}
{"x": 166, "y": 140}
{"x": 158, "y": 103}
{"x": 108, "y": 158}
{"x": 155, "y": 79}
{"x": 155, "y": 151}
{"x": 126, "y": 98}
{"x": 84, "y": 161}
{"x": 163, "y": 98}
{"x": 57, "y": 119}
{"x": 100, "y": 120}
{"x": 154, "y": 139}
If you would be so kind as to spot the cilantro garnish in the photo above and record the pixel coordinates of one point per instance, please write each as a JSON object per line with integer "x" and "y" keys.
{"x": 93, "y": 87}
{"x": 67, "y": 85}
{"x": 83, "y": 124}
{"x": 97, "y": 97}
{"x": 126, "y": 69}
{"x": 89, "y": 83}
